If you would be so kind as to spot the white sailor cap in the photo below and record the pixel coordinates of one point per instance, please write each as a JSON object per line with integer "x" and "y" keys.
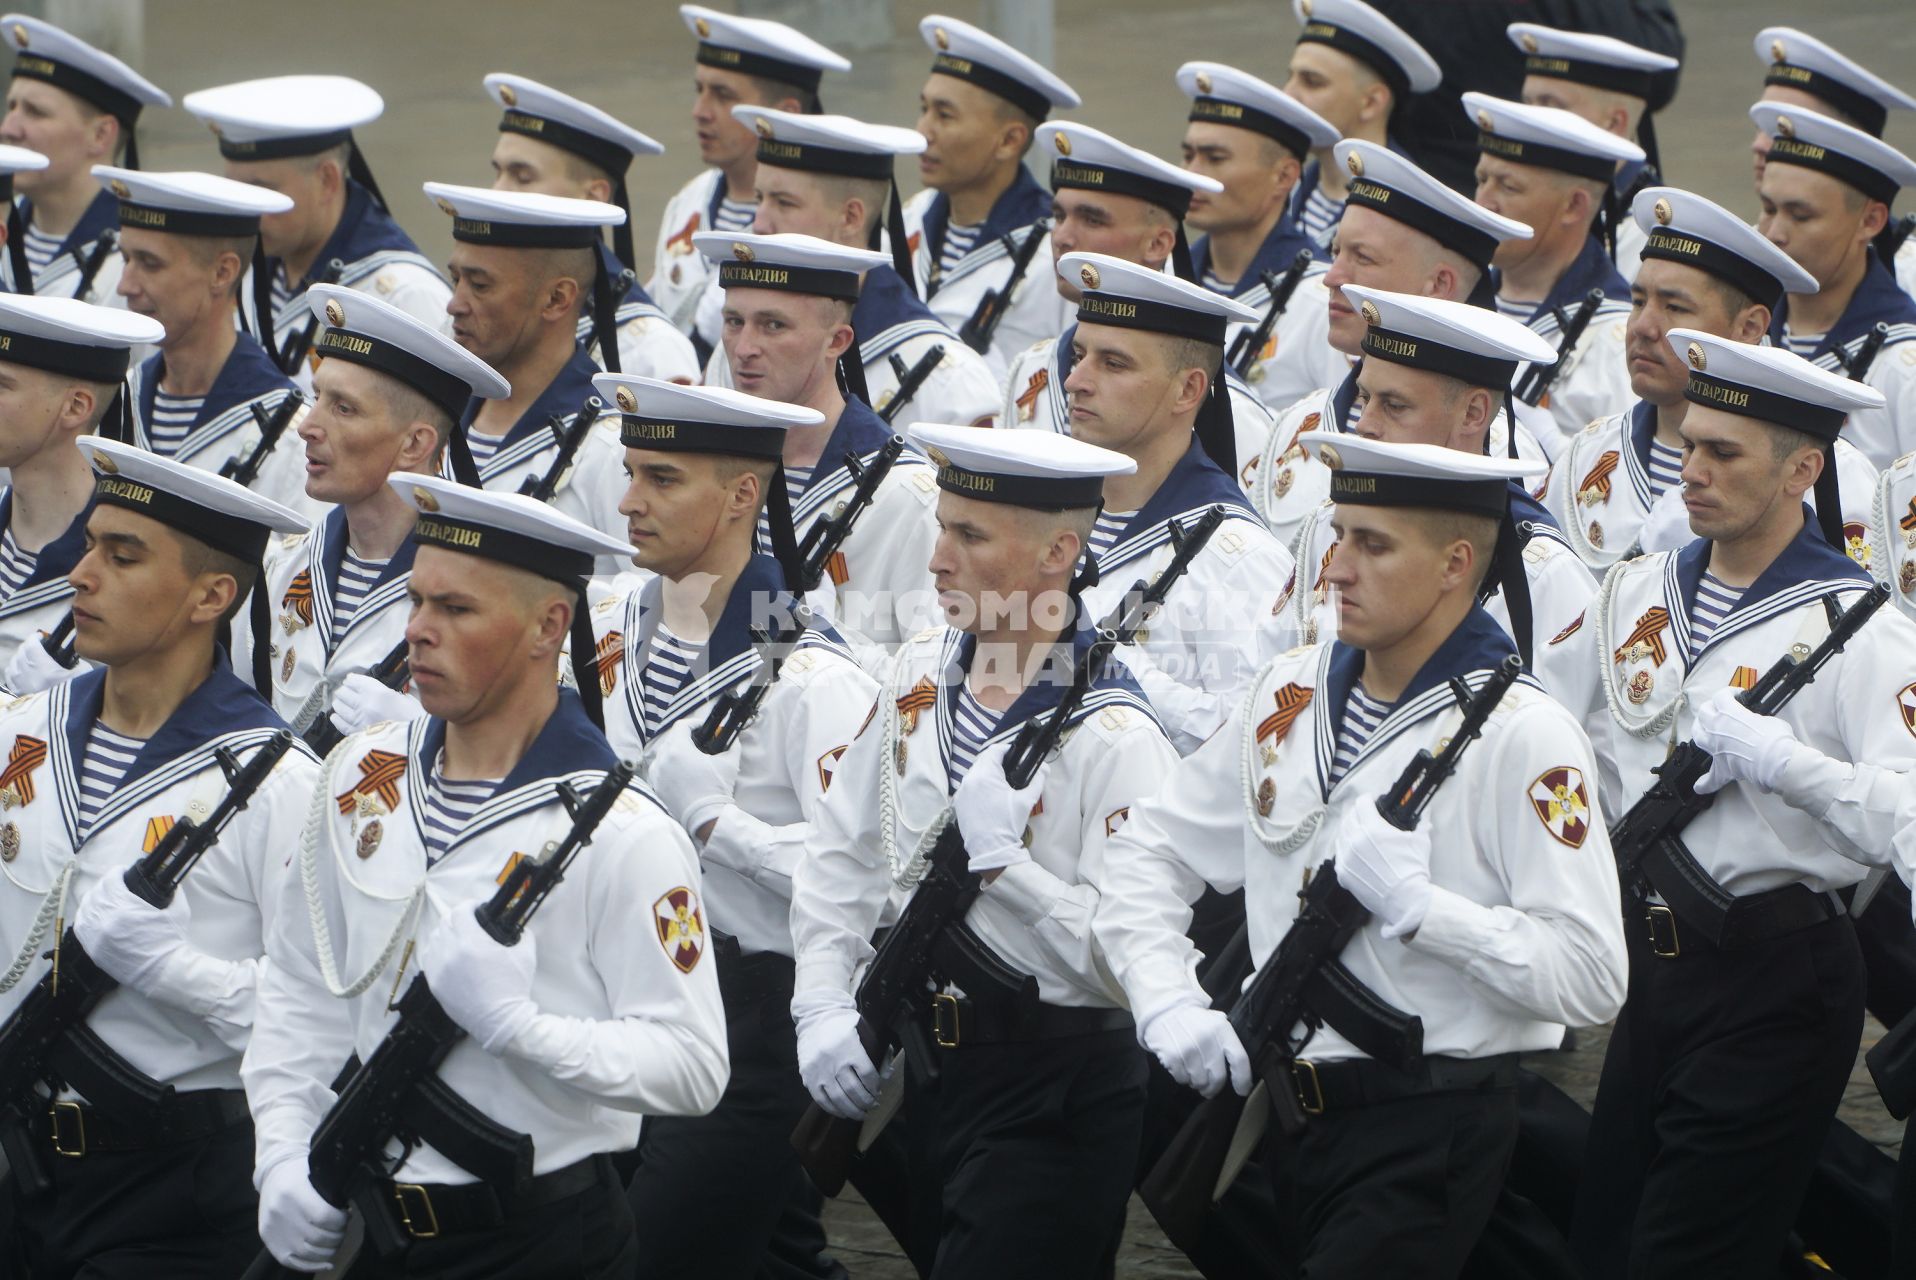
{"x": 541, "y": 112}
{"x": 363, "y": 330}
{"x": 788, "y": 262}
{"x": 1771, "y": 384}
{"x": 1548, "y": 138}
{"x": 522, "y": 219}
{"x": 1798, "y": 60}
{"x": 20, "y": 160}
{"x": 760, "y": 47}
{"x": 1092, "y": 160}
{"x": 1682, "y": 226}
{"x": 43, "y": 51}
{"x": 72, "y": 338}
{"x": 226, "y": 516}
{"x": 1353, "y": 27}
{"x": 1475, "y": 346}
{"x": 1395, "y": 187}
{"x": 1225, "y": 95}
{"x": 1129, "y": 296}
{"x": 828, "y": 144}
{"x": 1815, "y": 141}
{"x": 1602, "y": 62}
{"x": 189, "y": 204}
{"x": 1045, "y": 470}
{"x": 283, "y": 116}
{"x": 672, "y": 418}
{"x": 967, "y": 53}
{"x": 1378, "y": 473}
{"x": 509, "y": 528}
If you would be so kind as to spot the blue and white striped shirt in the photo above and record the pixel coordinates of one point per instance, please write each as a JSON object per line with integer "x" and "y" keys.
{"x": 959, "y": 241}
{"x": 357, "y": 578}
{"x": 668, "y": 669}
{"x": 173, "y": 418}
{"x": 108, "y": 756}
{"x": 16, "y": 566}
{"x": 483, "y": 446}
{"x": 1665, "y": 466}
{"x": 42, "y": 248}
{"x": 1104, "y": 534}
{"x": 1713, "y": 601}
{"x": 1362, "y": 715}
{"x": 971, "y": 723}
{"x": 734, "y": 215}
{"x": 1802, "y": 344}
{"x": 1320, "y": 216}
{"x": 450, "y": 804}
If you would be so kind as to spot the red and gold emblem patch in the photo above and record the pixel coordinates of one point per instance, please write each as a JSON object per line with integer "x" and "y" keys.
{"x": 827, "y": 766}
{"x": 681, "y": 928}
{"x": 1575, "y": 624}
{"x": 1562, "y": 805}
{"x": 1115, "y": 819}
{"x": 1906, "y": 703}
{"x": 1856, "y": 542}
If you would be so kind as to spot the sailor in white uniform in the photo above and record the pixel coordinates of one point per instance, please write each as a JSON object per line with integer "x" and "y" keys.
{"x": 982, "y": 218}
{"x": 1801, "y": 70}
{"x": 606, "y": 1010}
{"x": 1493, "y": 920}
{"x": 1741, "y": 950}
{"x": 99, "y": 769}
{"x": 294, "y": 135}
{"x": 64, "y": 363}
{"x": 551, "y": 142}
{"x": 76, "y": 106}
{"x": 740, "y": 60}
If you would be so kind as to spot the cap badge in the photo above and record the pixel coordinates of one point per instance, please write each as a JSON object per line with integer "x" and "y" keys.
{"x": 445, "y": 207}
{"x": 105, "y": 463}
{"x": 1330, "y": 457}
{"x": 703, "y": 27}
{"x": 335, "y": 314}
{"x": 1355, "y": 163}
{"x": 743, "y": 252}
{"x": 627, "y": 402}
{"x": 508, "y": 96}
{"x": 1697, "y": 358}
{"x": 1203, "y": 82}
{"x": 1368, "y": 310}
{"x": 1779, "y": 52}
{"x": 424, "y": 499}
{"x": 1529, "y": 43}
{"x": 1304, "y": 7}
{"x": 214, "y": 127}
{"x": 938, "y": 455}
{"x": 1785, "y": 127}
{"x": 1663, "y": 212}
{"x": 1485, "y": 123}
{"x": 942, "y": 37}
{"x": 20, "y": 35}
{"x": 120, "y": 189}
{"x": 1062, "y": 143}
{"x": 763, "y": 126}
{"x": 1089, "y": 274}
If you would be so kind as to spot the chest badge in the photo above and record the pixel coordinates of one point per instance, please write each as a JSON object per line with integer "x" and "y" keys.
{"x": 16, "y": 780}
{"x": 369, "y": 837}
{"x": 296, "y": 606}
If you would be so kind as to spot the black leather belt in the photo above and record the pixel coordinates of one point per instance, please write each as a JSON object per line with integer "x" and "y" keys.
{"x": 74, "y": 1129}
{"x": 427, "y": 1211}
{"x": 957, "y": 1022}
{"x": 1363, "y": 1082}
{"x": 1756, "y": 918}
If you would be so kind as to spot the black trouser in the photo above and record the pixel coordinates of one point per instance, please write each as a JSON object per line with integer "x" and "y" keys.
{"x": 1527, "y": 1236}
{"x": 585, "y": 1236}
{"x": 184, "y": 1211}
{"x": 726, "y": 1188}
{"x": 1399, "y": 1188}
{"x": 1022, "y": 1156}
{"x": 1723, "y": 1073}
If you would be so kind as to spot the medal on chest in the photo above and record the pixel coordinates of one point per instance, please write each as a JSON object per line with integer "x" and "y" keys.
{"x": 921, "y": 697}
{"x": 296, "y": 606}
{"x": 1644, "y": 644}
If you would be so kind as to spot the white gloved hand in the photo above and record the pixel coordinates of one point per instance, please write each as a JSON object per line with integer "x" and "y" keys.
{"x": 126, "y": 936}
{"x": 484, "y": 987}
{"x": 1386, "y": 870}
{"x": 362, "y": 701}
{"x": 1743, "y": 746}
{"x": 832, "y": 1061}
{"x": 1198, "y": 1047}
{"x": 694, "y": 787}
{"x": 297, "y": 1227}
{"x": 33, "y": 669}
{"x": 1667, "y": 527}
{"x": 991, "y": 815}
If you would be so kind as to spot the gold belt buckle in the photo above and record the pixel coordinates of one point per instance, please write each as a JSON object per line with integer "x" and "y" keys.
{"x": 428, "y": 1226}
{"x": 1302, "y": 1070}
{"x": 1663, "y": 931}
{"x": 61, "y": 1146}
{"x": 941, "y": 1003}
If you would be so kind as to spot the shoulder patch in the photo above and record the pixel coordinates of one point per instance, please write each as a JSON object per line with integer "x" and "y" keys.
{"x": 681, "y": 928}
{"x": 828, "y": 763}
{"x": 923, "y": 480}
{"x": 1576, "y": 624}
{"x": 1906, "y": 703}
{"x": 1562, "y": 803}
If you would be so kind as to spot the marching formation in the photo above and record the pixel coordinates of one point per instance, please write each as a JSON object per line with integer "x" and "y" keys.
{"x": 1117, "y": 674}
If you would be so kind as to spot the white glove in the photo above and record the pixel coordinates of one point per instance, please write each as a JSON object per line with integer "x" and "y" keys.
{"x": 991, "y": 815}
{"x": 298, "y": 1228}
{"x": 1743, "y": 746}
{"x": 1667, "y": 527}
{"x": 362, "y": 701}
{"x": 126, "y": 936}
{"x": 838, "y": 1073}
{"x": 1198, "y": 1047}
{"x": 33, "y": 668}
{"x": 694, "y": 787}
{"x": 1385, "y": 869}
{"x": 484, "y": 987}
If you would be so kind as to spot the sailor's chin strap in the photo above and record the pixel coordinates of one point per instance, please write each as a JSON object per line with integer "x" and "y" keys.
{"x": 359, "y": 171}
{"x": 585, "y": 660}
{"x": 1829, "y": 509}
{"x": 605, "y": 315}
{"x": 893, "y": 226}
{"x": 1216, "y": 427}
{"x": 1507, "y": 576}
{"x": 778, "y": 515}
{"x": 17, "y": 240}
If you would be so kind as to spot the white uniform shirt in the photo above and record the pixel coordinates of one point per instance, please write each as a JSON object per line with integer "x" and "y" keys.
{"x": 679, "y": 271}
